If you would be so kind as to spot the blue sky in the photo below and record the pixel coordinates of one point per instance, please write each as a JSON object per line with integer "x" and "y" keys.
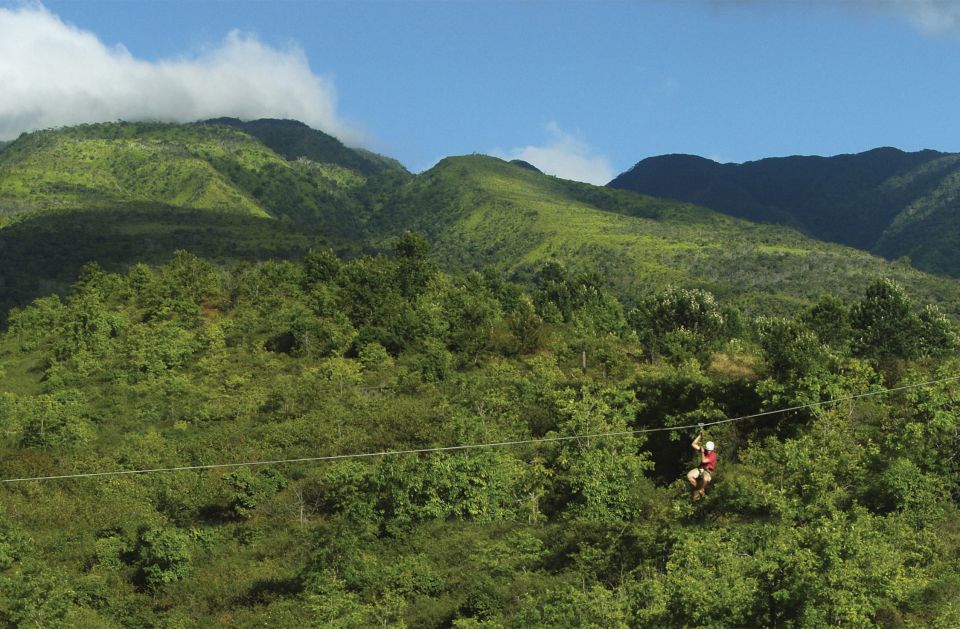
{"x": 581, "y": 89}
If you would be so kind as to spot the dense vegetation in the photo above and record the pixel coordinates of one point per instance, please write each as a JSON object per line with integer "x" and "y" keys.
{"x": 255, "y": 295}
{"x": 885, "y": 200}
{"x": 42, "y": 253}
{"x": 834, "y": 515}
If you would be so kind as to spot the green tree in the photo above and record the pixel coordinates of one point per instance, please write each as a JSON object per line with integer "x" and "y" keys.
{"x": 249, "y": 489}
{"x": 371, "y": 298}
{"x": 433, "y": 361}
{"x": 37, "y": 322}
{"x": 469, "y": 313}
{"x": 321, "y": 266}
{"x": 155, "y": 347}
{"x": 36, "y": 597}
{"x": 526, "y": 326}
{"x": 178, "y": 289}
{"x": 680, "y": 323}
{"x": 791, "y": 349}
{"x": 593, "y": 607}
{"x": 86, "y": 327}
{"x": 332, "y": 604}
{"x": 463, "y": 486}
{"x": 927, "y": 430}
{"x": 55, "y": 420}
{"x": 578, "y": 298}
{"x": 829, "y": 319}
{"x": 164, "y": 556}
{"x": 884, "y": 323}
{"x": 938, "y": 337}
{"x": 598, "y": 478}
{"x": 414, "y": 266}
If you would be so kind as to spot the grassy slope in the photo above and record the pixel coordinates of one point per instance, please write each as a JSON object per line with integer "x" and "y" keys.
{"x": 121, "y": 193}
{"x": 102, "y": 165}
{"x": 483, "y": 211}
{"x": 189, "y": 166}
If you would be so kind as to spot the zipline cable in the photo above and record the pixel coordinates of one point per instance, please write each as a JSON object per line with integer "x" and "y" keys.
{"x": 475, "y": 446}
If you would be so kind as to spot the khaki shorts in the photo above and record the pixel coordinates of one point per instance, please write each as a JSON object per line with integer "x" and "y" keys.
{"x": 698, "y": 472}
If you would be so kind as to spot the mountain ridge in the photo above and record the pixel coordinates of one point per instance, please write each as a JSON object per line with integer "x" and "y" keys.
{"x": 182, "y": 184}
{"x": 293, "y": 139}
{"x": 859, "y": 199}
{"x": 489, "y": 212}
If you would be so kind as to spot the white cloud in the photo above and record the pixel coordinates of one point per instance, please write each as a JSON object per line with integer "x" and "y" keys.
{"x": 934, "y": 17}
{"x": 54, "y": 74}
{"x": 930, "y": 16}
{"x": 565, "y": 156}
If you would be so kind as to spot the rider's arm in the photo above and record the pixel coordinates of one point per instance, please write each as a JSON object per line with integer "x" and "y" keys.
{"x": 696, "y": 443}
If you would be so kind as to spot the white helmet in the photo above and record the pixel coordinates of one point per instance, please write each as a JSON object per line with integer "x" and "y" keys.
{"x": 709, "y": 446}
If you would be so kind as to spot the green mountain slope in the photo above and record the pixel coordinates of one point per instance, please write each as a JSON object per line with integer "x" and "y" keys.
{"x": 928, "y": 229}
{"x": 121, "y": 193}
{"x": 483, "y": 211}
{"x": 104, "y": 165}
{"x": 197, "y": 166}
{"x": 131, "y": 192}
{"x": 869, "y": 200}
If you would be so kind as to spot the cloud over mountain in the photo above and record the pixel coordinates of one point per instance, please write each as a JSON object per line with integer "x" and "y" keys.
{"x": 55, "y": 74}
{"x": 566, "y": 156}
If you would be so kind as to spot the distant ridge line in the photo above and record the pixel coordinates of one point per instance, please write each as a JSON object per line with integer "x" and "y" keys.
{"x": 886, "y": 201}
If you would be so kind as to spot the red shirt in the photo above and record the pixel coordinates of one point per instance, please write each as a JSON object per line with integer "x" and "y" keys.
{"x": 709, "y": 461}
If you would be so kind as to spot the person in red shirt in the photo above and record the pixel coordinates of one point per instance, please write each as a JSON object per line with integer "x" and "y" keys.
{"x": 700, "y": 476}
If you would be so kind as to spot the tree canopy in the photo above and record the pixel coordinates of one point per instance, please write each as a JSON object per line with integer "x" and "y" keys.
{"x": 826, "y": 515}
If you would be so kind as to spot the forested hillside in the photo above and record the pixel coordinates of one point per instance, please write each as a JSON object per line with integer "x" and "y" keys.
{"x": 223, "y": 295}
{"x": 839, "y": 514}
{"x": 885, "y": 200}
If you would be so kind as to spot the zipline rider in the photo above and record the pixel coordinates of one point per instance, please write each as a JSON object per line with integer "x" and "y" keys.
{"x": 700, "y": 476}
